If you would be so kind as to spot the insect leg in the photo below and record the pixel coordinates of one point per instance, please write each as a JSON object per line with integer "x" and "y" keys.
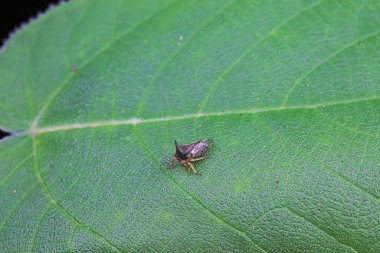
{"x": 196, "y": 159}
{"x": 187, "y": 168}
{"x": 195, "y": 171}
{"x": 173, "y": 162}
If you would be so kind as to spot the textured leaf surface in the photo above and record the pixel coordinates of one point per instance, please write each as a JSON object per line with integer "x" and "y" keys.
{"x": 97, "y": 92}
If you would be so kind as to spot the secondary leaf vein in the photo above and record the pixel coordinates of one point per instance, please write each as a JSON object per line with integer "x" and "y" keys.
{"x": 325, "y": 166}
{"x": 325, "y": 61}
{"x": 170, "y": 59}
{"x": 214, "y": 85}
{"x": 100, "y": 52}
{"x": 190, "y": 195}
{"x": 62, "y": 208}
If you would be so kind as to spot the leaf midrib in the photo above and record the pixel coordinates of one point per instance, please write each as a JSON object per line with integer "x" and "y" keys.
{"x": 133, "y": 122}
{"x": 138, "y": 121}
{"x": 139, "y": 106}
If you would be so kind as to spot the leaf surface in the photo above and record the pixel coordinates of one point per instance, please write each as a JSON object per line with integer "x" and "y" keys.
{"x": 96, "y": 92}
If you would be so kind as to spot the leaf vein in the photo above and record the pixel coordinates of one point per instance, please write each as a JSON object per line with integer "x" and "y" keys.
{"x": 340, "y": 124}
{"x": 14, "y": 170}
{"x": 19, "y": 204}
{"x": 100, "y": 52}
{"x": 320, "y": 163}
{"x": 70, "y": 42}
{"x": 214, "y": 85}
{"x": 29, "y": 83}
{"x": 325, "y": 61}
{"x": 70, "y": 239}
{"x": 190, "y": 195}
{"x": 318, "y": 227}
{"x": 45, "y": 212}
{"x": 63, "y": 209}
{"x": 137, "y": 121}
{"x": 170, "y": 59}
{"x": 262, "y": 214}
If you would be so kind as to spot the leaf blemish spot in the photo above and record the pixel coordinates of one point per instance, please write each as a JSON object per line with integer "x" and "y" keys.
{"x": 166, "y": 216}
{"x": 74, "y": 68}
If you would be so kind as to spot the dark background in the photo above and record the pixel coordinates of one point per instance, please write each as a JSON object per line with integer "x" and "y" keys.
{"x": 16, "y": 12}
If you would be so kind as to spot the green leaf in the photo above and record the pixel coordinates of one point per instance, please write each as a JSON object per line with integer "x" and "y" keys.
{"x": 95, "y": 92}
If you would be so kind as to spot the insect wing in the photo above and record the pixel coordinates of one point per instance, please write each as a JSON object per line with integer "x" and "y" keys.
{"x": 185, "y": 150}
{"x": 199, "y": 148}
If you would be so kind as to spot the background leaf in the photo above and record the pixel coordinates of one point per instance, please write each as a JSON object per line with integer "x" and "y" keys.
{"x": 97, "y": 92}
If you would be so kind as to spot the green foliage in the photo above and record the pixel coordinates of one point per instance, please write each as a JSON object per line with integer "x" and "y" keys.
{"x": 99, "y": 90}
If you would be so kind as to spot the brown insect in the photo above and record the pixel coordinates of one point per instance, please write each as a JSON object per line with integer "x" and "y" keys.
{"x": 74, "y": 68}
{"x": 187, "y": 154}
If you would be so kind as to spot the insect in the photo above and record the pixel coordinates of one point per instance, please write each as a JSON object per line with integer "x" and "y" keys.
{"x": 74, "y": 68}
{"x": 187, "y": 154}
